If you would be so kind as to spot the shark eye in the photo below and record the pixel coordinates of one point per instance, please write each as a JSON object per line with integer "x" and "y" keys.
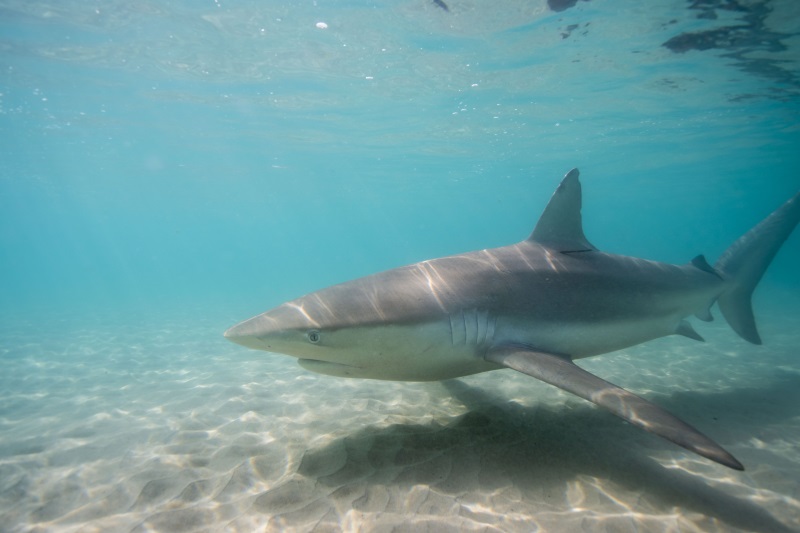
{"x": 313, "y": 336}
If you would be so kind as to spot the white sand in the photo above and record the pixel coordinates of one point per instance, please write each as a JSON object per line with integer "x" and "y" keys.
{"x": 153, "y": 427}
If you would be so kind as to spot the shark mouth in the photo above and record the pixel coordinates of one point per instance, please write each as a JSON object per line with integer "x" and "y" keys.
{"x": 330, "y": 369}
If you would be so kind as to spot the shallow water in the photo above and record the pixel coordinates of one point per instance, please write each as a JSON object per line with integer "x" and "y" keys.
{"x": 171, "y": 168}
{"x": 156, "y": 425}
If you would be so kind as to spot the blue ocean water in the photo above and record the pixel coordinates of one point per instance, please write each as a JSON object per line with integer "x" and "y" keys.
{"x": 170, "y": 168}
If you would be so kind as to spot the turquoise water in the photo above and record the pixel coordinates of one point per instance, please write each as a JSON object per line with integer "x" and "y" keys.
{"x": 171, "y": 168}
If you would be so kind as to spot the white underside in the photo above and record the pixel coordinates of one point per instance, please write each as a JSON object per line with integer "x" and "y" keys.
{"x": 430, "y": 352}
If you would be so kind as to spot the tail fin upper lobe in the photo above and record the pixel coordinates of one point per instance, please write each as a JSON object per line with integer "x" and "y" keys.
{"x": 745, "y": 261}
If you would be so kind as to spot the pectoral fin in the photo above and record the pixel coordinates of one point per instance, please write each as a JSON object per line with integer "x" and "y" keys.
{"x": 564, "y": 374}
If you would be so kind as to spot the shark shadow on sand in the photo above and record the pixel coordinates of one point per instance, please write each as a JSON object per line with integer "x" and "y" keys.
{"x": 503, "y": 449}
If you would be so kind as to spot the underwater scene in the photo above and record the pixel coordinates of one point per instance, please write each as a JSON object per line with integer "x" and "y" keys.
{"x": 172, "y": 168}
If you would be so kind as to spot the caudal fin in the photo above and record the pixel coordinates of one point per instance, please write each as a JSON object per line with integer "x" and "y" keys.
{"x": 746, "y": 260}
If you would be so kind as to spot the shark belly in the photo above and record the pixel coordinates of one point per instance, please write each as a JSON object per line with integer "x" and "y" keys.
{"x": 441, "y": 350}
{"x": 584, "y": 339}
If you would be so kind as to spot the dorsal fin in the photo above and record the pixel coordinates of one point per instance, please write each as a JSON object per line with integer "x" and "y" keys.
{"x": 560, "y": 225}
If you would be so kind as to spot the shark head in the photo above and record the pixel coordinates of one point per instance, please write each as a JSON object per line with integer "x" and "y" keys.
{"x": 306, "y": 328}
{"x": 386, "y": 326}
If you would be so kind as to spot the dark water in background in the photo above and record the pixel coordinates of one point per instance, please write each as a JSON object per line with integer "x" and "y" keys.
{"x": 199, "y": 162}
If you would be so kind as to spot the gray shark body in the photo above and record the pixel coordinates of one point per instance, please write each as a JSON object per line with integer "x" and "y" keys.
{"x": 535, "y": 307}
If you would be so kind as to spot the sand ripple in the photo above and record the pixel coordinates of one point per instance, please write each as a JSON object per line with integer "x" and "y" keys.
{"x": 155, "y": 427}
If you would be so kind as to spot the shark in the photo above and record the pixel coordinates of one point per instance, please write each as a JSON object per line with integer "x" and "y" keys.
{"x": 536, "y": 307}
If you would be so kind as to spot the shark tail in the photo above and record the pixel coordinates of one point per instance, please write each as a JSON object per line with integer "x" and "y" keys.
{"x": 744, "y": 262}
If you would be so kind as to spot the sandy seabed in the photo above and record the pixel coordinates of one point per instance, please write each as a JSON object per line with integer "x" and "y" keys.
{"x": 157, "y": 425}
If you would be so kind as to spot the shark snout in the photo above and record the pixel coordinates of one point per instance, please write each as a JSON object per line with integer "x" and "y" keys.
{"x": 273, "y": 331}
{"x": 244, "y": 334}
{"x": 256, "y": 332}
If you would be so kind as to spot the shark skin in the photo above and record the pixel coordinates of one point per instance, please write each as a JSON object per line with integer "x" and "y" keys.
{"x": 535, "y": 307}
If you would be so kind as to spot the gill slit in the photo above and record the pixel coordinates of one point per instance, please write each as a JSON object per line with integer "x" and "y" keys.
{"x": 472, "y": 327}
